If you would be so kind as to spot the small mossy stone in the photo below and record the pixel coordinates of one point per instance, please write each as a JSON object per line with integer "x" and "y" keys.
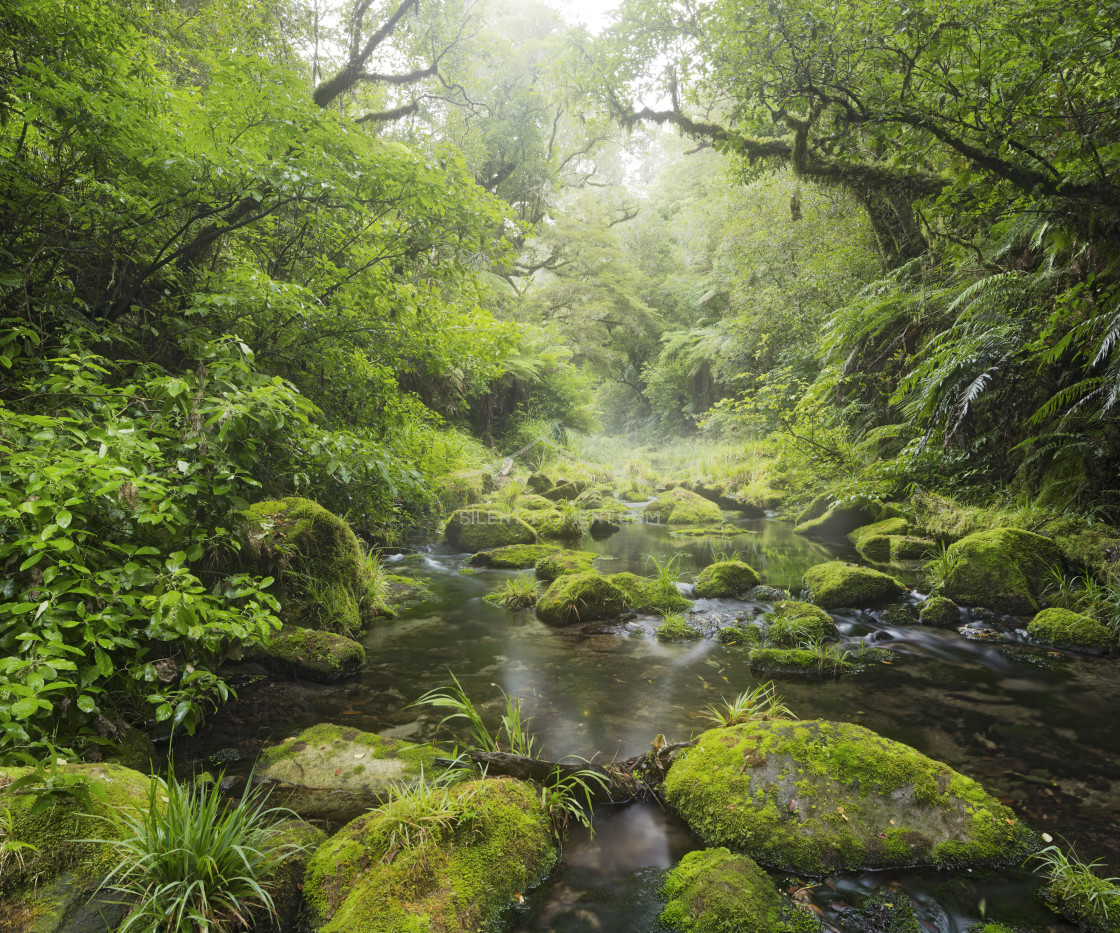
{"x": 580, "y": 597}
{"x": 1061, "y": 628}
{"x": 793, "y": 623}
{"x": 797, "y": 662}
{"x": 888, "y": 912}
{"x": 1101, "y": 914}
{"x": 885, "y": 528}
{"x": 565, "y": 492}
{"x": 990, "y": 928}
{"x": 899, "y": 614}
{"x": 742, "y": 633}
{"x": 875, "y": 548}
{"x": 766, "y": 594}
{"x": 836, "y": 584}
{"x": 406, "y": 591}
{"x": 909, "y": 547}
{"x": 817, "y": 797}
{"x": 726, "y": 578}
{"x": 486, "y": 529}
{"x": 817, "y": 506}
{"x": 940, "y": 612}
{"x": 463, "y": 487}
{"x": 676, "y": 628}
{"x": 645, "y": 594}
{"x": 561, "y": 562}
{"x": 1003, "y": 569}
{"x": 514, "y": 556}
{"x": 307, "y": 654}
{"x": 713, "y": 891}
{"x": 534, "y": 503}
{"x": 682, "y": 507}
{"x": 539, "y": 483}
{"x": 460, "y": 880}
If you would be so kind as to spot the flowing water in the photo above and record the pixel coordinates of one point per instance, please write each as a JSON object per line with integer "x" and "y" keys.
{"x": 1036, "y": 728}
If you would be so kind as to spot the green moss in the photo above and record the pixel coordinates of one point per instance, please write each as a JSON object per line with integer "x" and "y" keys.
{"x": 798, "y": 661}
{"x": 323, "y": 657}
{"x": 842, "y": 519}
{"x": 817, "y": 796}
{"x": 1065, "y": 629}
{"x": 793, "y": 623}
{"x": 580, "y": 597}
{"x": 535, "y": 503}
{"x": 561, "y": 562}
{"x": 1002, "y": 569}
{"x": 461, "y": 880}
{"x": 837, "y": 584}
{"x": 463, "y": 487}
{"x": 645, "y": 594}
{"x": 486, "y": 529}
{"x": 713, "y": 891}
{"x": 909, "y": 547}
{"x": 132, "y": 748}
{"x": 940, "y": 612}
{"x": 539, "y": 483}
{"x": 875, "y": 548}
{"x": 682, "y": 507}
{"x": 742, "y": 633}
{"x": 815, "y": 509}
{"x": 889, "y": 912}
{"x": 676, "y": 628}
{"x": 1099, "y": 915}
{"x": 726, "y": 578}
{"x": 514, "y": 556}
{"x": 990, "y": 928}
{"x": 406, "y": 591}
{"x": 888, "y": 526}
{"x": 566, "y": 492}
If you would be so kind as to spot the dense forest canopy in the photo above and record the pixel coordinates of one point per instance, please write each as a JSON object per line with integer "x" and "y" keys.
{"x": 255, "y": 250}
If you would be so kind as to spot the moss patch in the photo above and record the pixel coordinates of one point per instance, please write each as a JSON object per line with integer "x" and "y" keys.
{"x": 463, "y": 487}
{"x": 799, "y": 662}
{"x": 888, "y": 526}
{"x": 561, "y": 562}
{"x": 514, "y": 556}
{"x": 817, "y": 797}
{"x": 792, "y": 623}
{"x": 683, "y": 507}
{"x": 676, "y": 628}
{"x": 940, "y": 612}
{"x": 461, "y": 880}
{"x": 1062, "y": 628}
{"x": 842, "y": 519}
{"x": 322, "y": 657}
{"x": 726, "y": 578}
{"x": 1002, "y": 569}
{"x": 580, "y": 597}
{"x": 836, "y": 584}
{"x": 713, "y": 891}
{"x": 485, "y": 529}
{"x": 645, "y": 594}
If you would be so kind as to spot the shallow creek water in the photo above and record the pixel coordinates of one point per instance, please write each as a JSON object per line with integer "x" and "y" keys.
{"x": 1037, "y": 729}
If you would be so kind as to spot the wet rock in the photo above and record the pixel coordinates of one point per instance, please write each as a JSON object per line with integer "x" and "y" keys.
{"x": 766, "y": 594}
{"x": 740, "y": 634}
{"x": 817, "y": 797}
{"x": 676, "y": 628}
{"x": 836, "y": 584}
{"x": 681, "y": 507}
{"x": 1060, "y": 628}
{"x": 485, "y": 529}
{"x": 580, "y": 597}
{"x": 1094, "y": 907}
{"x": 888, "y": 912}
{"x": 726, "y": 578}
{"x": 457, "y": 878}
{"x": 405, "y": 591}
{"x": 900, "y": 614}
{"x": 328, "y": 769}
{"x": 1003, "y": 569}
{"x": 603, "y": 528}
{"x": 794, "y": 623}
{"x": 306, "y": 654}
{"x": 287, "y": 878}
{"x": 939, "y": 612}
{"x": 712, "y": 890}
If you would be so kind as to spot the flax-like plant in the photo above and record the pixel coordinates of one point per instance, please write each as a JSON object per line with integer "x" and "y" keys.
{"x": 195, "y": 861}
{"x": 757, "y": 705}
{"x": 1075, "y": 883}
{"x": 567, "y": 798}
{"x": 513, "y": 732}
{"x": 520, "y": 592}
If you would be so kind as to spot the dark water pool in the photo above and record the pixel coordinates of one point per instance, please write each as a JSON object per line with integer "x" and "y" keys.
{"x": 1037, "y": 729}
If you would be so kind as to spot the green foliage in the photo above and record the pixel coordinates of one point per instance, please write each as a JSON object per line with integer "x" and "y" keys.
{"x": 422, "y": 812}
{"x": 675, "y": 627}
{"x": 1077, "y": 888}
{"x": 520, "y": 592}
{"x": 760, "y": 704}
{"x": 568, "y": 796}
{"x": 512, "y": 733}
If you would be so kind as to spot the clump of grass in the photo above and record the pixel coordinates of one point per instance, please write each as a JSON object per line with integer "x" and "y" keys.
{"x": 676, "y": 627}
{"x": 512, "y": 733}
{"x": 375, "y": 584}
{"x": 761, "y": 704}
{"x": 830, "y": 655}
{"x": 1087, "y": 594}
{"x": 568, "y": 797}
{"x": 571, "y": 519}
{"x": 507, "y": 497}
{"x": 191, "y": 861}
{"x": 941, "y": 567}
{"x": 413, "y": 815}
{"x": 665, "y": 577}
{"x": 719, "y": 552}
{"x": 1077, "y": 888}
{"x": 520, "y": 592}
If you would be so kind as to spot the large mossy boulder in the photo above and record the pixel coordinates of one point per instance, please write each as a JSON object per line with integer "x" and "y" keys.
{"x": 645, "y": 594}
{"x": 1004, "y": 569}
{"x": 319, "y": 566}
{"x": 64, "y": 850}
{"x": 844, "y": 517}
{"x": 713, "y": 891}
{"x": 486, "y": 529}
{"x": 580, "y": 597}
{"x": 885, "y": 528}
{"x": 682, "y": 507}
{"x": 463, "y": 487}
{"x": 817, "y": 797}
{"x": 561, "y": 562}
{"x": 726, "y": 578}
{"x": 514, "y": 556}
{"x": 308, "y": 654}
{"x": 794, "y": 624}
{"x": 457, "y": 876}
{"x": 837, "y": 584}
{"x": 1061, "y": 628}
{"x": 725, "y": 499}
{"x": 329, "y": 769}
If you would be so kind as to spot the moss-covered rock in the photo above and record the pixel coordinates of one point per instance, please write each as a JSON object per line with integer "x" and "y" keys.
{"x": 794, "y": 623}
{"x": 817, "y": 506}
{"x": 1093, "y": 905}
{"x": 132, "y": 748}
{"x": 329, "y": 769}
{"x": 559, "y": 563}
{"x": 875, "y": 548}
{"x": 836, "y": 584}
{"x": 725, "y": 498}
{"x": 798, "y": 662}
{"x": 676, "y": 628}
{"x": 726, "y": 578}
{"x": 741, "y": 633}
{"x": 767, "y": 594}
{"x": 463, "y": 487}
{"x": 682, "y": 507}
{"x": 514, "y": 556}
{"x": 817, "y": 797}
{"x": 885, "y": 528}
{"x": 910, "y": 547}
{"x": 940, "y": 612}
{"x": 1004, "y": 569}
{"x": 842, "y": 519}
{"x": 534, "y": 503}
{"x": 888, "y": 912}
{"x": 713, "y": 891}
{"x": 566, "y": 492}
{"x": 322, "y": 582}
{"x": 486, "y": 529}
{"x": 363, "y": 880}
{"x": 554, "y": 522}
{"x": 539, "y": 483}
{"x": 287, "y": 878}
{"x": 645, "y": 594}
{"x": 406, "y": 591}
{"x": 321, "y": 657}
{"x": 1061, "y": 628}
{"x": 580, "y": 597}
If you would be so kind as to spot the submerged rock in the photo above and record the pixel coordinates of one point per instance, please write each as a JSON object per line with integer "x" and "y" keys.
{"x": 456, "y": 875}
{"x": 321, "y": 657}
{"x": 836, "y": 584}
{"x": 888, "y": 912}
{"x": 329, "y": 769}
{"x": 940, "y": 612}
{"x": 1061, "y": 628}
{"x": 486, "y": 529}
{"x": 682, "y": 507}
{"x": 713, "y": 891}
{"x": 817, "y": 797}
{"x": 798, "y": 662}
{"x": 726, "y": 578}
{"x": 1003, "y": 569}
{"x": 580, "y": 597}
